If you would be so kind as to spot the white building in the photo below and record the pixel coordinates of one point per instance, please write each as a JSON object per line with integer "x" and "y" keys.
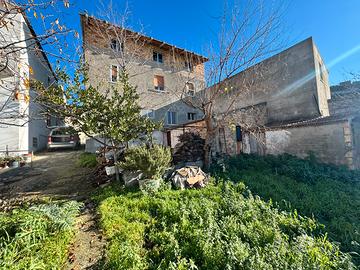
{"x": 22, "y": 126}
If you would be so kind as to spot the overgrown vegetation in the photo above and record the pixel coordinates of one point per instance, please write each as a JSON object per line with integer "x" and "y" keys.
{"x": 37, "y": 237}
{"x": 218, "y": 227}
{"x": 331, "y": 194}
{"x": 152, "y": 161}
{"x": 87, "y": 160}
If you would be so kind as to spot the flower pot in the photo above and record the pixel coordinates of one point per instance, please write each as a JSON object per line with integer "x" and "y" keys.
{"x": 15, "y": 164}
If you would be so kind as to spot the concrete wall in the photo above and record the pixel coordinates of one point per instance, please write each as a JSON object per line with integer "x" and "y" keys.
{"x": 138, "y": 57}
{"x": 287, "y": 82}
{"x": 331, "y": 143}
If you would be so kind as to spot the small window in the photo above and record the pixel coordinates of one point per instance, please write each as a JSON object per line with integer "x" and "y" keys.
{"x": 191, "y": 116}
{"x": 190, "y": 89}
{"x": 34, "y": 142}
{"x": 158, "y": 57}
{"x": 321, "y": 71}
{"x": 114, "y": 73}
{"x": 148, "y": 113}
{"x": 159, "y": 83}
{"x": 171, "y": 118}
{"x": 189, "y": 67}
{"x": 116, "y": 45}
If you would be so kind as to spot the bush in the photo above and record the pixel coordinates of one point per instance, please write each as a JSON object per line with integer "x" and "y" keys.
{"x": 151, "y": 161}
{"x": 37, "y": 237}
{"x": 329, "y": 193}
{"x": 87, "y": 160}
{"x": 218, "y": 227}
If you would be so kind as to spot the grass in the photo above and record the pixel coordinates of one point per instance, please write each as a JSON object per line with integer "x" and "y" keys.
{"x": 220, "y": 227}
{"x": 87, "y": 160}
{"x": 37, "y": 237}
{"x": 330, "y": 194}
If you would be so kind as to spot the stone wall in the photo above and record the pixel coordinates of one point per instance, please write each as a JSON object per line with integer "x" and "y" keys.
{"x": 288, "y": 82}
{"x": 330, "y": 142}
{"x": 251, "y": 119}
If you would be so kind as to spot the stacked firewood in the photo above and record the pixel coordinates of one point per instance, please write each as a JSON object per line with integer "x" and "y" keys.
{"x": 189, "y": 149}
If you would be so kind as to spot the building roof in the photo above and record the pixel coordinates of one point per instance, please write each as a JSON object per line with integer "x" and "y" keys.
{"x": 150, "y": 40}
{"x": 313, "y": 121}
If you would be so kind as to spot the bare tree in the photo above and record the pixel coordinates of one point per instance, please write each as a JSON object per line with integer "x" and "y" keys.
{"x": 249, "y": 32}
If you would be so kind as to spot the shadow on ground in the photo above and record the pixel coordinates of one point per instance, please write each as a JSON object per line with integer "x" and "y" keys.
{"x": 53, "y": 174}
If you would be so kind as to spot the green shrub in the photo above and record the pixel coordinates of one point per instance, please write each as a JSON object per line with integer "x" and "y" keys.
{"x": 151, "y": 161}
{"x": 87, "y": 160}
{"x": 37, "y": 237}
{"x": 218, "y": 227}
{"x": 329, "y": 193}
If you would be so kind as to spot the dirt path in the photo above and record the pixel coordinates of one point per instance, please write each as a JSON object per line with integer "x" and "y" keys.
{"x": 55, "y": 176}
{"x": 86, "y": 252}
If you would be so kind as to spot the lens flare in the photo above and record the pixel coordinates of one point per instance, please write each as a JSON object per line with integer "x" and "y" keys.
{"x": 299, "y": 83}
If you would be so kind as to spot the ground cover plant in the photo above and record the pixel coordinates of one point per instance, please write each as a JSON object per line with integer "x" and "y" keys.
{"x": 87, "y": 160}
{"x": 37, "y": 237}
{"x": 219, "y": 227}
{"x": 329, "y": 193}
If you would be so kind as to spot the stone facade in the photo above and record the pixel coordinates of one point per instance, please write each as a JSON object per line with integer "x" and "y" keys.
{"x": 181, "y": 72}
{"x": 290, "y": 83}
{"x": 284, "y": 105}
{"x": 329, "y": 142}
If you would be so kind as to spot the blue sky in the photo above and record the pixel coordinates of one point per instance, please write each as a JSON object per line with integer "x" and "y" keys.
{"x": 334, "y": 25}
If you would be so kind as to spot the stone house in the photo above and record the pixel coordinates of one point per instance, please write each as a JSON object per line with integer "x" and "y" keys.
{"x": 163, "y": 73}
{"x": 283, "y": 105}
{"x": 22, "y": 127}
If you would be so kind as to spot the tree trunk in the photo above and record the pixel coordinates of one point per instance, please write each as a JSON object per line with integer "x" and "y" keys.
{"x": 207, "y": 144}
{"x": 115, "y": 161}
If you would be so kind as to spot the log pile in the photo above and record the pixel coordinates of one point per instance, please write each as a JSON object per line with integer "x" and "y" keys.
{"x": 189, "y": 149}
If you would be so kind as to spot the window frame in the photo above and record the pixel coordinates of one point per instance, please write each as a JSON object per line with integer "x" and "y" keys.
{"x": 193, "y": 116}
{"x": 119, "y": 46}
{"x": 156, "y": 57}
{"x": 117, "y": 73}
{"x": 171, "y": 115}
{"x": 157, "y": 87}
{"x": 188, "y": 90}
{"x": 149, "y": 113}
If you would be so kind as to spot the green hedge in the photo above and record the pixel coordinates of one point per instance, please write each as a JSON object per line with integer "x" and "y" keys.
{"x": 329, "y": 193}
{"x": 219, "y": 227}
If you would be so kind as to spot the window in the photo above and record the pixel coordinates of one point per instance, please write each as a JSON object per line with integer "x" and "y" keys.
{"x": 159, "y": 83}
{"x": 321, "y": 71}
{"x": 34, "y": 142}
{"x": 189, "y": 66}
{"x": 171, "y": 118}
{"x": 148, "y": 113}
{"x": 190, "y": 89}
{"x": 158, "y": 57}
{"x": 114, "y": 73}
{"x": 191, "y": 116}
{"x": 116, "y": 45}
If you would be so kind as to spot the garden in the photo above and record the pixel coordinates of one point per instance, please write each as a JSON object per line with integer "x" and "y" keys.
{"x": 330, "y": 194}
